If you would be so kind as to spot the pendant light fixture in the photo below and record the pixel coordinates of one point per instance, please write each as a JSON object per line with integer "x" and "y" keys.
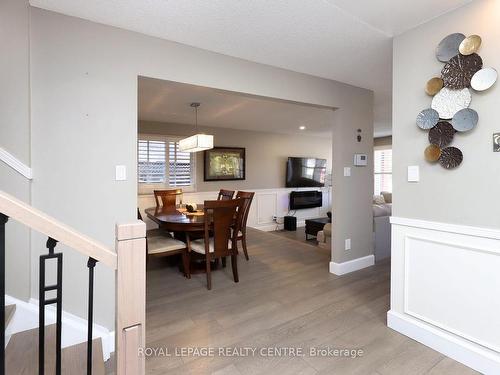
{"x": 197, "y": 142}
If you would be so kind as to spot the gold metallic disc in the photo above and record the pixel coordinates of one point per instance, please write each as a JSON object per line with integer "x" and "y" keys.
{"x": 433, "y": 86}
{"x": 432, "y": 153}
{"x": 470, "y": 45}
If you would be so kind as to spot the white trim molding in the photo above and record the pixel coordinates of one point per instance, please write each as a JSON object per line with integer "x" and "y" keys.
{"x": 352, "y": 265}
{"x": 15, "y": 164}
{"x": 475, "y": 356}
{"x": 74, "y": 329}
{"x": 444, "y": 289}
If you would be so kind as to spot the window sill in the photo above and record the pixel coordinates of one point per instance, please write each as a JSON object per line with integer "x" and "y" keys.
{"x": 148, "y": 189}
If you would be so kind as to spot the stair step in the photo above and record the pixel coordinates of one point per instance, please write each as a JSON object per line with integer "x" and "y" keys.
{"x": 9, "y": 313}
{"x": 21, "y": 355}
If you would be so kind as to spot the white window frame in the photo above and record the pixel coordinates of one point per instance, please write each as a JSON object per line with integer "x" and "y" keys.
{"x": 147, "y": 188}
{"x": 381, "y": 148}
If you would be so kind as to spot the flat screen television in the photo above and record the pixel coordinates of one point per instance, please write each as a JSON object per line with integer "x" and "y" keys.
{"x": 305, "y": 172}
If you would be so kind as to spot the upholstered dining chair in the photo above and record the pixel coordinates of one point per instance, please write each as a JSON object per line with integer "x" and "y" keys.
{"x": 160, "y": 243}
{"x": 225, "y": 195}
{"x": 223, "y": 240}
{"x": 242, "y": 225}
{"x": 168, "y": 198}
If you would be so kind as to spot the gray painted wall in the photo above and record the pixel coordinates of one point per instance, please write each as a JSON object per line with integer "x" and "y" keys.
{"x": 15, "y": 135}
{"x": 266, "y": 153}
{"x": 84, "y": 122}
{"x": 468, "y": 194}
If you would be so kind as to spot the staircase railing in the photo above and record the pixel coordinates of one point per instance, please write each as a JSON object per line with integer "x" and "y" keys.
{"x": 129, "y": 262}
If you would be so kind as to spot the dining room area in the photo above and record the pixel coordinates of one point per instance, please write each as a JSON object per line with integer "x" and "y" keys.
{"x": 198, "y": 238}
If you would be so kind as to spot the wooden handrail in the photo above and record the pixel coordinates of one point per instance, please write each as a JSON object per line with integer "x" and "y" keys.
{"x": 37, "y": 220}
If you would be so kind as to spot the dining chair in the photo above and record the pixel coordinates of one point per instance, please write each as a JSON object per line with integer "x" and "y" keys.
{"x": 219, "y": 220}
{"x": 168, "y": 197}
{"x": 242, "y": 225}
{"x": 225, "y": 195}
{"x": 160, "y": 243}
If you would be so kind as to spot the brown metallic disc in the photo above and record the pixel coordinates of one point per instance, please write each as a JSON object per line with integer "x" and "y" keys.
{"x": 458, "y": 72}
{"x": 432, "y": 153}
{"x": 470, "y": 45}
{"x": 442, "y": 134}
{"x": 433, "y": 86}
{"x": 451, "y": 157}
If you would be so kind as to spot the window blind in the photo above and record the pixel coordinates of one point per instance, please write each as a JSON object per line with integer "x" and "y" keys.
{"x": 152, "y": 158}
{"x": 383, "y": 171}
{"x": 161, "y": 162}
{"x": 179, "y": 166}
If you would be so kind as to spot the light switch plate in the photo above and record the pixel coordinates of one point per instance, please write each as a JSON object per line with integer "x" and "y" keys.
{"x": 121, "y": 173}
{"x": 413, "y": 173}
{"x": 347, "y": 172}
{"x": 348, "y": 244}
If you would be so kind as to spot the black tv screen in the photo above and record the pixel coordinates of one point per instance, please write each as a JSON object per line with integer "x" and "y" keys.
{"x": 305, "y": 172}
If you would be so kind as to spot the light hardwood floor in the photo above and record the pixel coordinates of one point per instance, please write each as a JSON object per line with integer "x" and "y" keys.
{"x": 285, "y": 298}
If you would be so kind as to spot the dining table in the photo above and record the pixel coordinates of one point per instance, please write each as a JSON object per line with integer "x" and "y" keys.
{"x": 177, "y": 220}
{"x": 184, "y": 225}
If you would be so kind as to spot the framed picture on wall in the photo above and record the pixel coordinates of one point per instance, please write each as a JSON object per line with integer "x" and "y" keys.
{"x": 224, "y": 163}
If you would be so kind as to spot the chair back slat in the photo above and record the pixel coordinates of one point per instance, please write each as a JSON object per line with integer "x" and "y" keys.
{"x": 168, "y": 198}
{"x": 225, "y": 195}
{"x": 248, "y": 197}
{"x": 224, "y": 215}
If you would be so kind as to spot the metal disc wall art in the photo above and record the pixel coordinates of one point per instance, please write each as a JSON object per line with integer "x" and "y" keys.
{"x": 470, "y": 45}
{"x": 432, "y": 153}
{"x": 448, "y": 47}
{"x": 447, "y": 102}
{"x": 458, "y": 72}
{"x": 484, "y": 79}
{"x": 465, "y": 120}
{"x": 463, "y": 69}
{"x": 451, "y": 157}
{"x": 442, "y": 134}
{"x": 433, "y": 86}
{"x": 427, "y": 118}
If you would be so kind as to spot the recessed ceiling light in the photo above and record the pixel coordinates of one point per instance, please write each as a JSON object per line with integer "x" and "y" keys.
{"x": 302, "y": 127}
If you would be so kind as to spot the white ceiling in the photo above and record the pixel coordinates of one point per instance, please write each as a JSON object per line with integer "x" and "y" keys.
{"x": 344, "y": 40}
{"x": 165, "y": 101}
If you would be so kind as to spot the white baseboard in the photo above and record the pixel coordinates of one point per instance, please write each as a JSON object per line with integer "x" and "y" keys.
{"x": 352, "y": 265}
{"x": 475, "y": 356}
{"x": 74, "y": 329}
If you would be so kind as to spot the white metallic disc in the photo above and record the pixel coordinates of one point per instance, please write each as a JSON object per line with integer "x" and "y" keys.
{"x": 447, "y": 102}
{"x": 483, "y": 79}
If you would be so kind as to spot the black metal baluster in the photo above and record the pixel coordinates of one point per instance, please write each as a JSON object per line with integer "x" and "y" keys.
{"x": 42, "y": 289}
{"x": 3, "y": 221}
{"x": 91, "y": 265}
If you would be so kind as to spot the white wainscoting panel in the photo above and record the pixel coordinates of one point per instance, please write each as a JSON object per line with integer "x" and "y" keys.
{"x": 266, "y": 204}
{"x": 266, "y": 207}
{"x": 446, "y": 278}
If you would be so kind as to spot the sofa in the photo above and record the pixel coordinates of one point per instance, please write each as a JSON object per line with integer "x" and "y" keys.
{"x": 324, "y": 237}
{"x": 382, "y": 211}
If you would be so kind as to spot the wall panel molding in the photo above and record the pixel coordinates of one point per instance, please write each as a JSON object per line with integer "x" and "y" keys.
{"x": 15, "y": 164}
{"x": 445, "y": 281}
{"x": 266, "y": 204}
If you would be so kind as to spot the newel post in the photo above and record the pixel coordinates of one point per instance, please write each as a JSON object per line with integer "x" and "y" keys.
{"x": 130, "y": 298}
